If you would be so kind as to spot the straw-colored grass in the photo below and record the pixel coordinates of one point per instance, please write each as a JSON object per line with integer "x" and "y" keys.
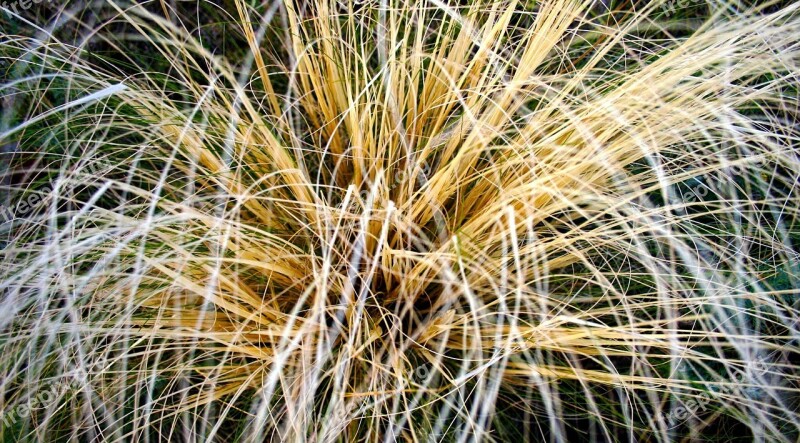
{"x": 405, "y": 220}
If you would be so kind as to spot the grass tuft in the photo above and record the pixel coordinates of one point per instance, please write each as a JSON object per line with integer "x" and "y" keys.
{"x": 413, "y": 220}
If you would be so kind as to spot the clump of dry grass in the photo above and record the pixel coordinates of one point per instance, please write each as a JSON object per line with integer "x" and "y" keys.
{"x": 406, "y": 220}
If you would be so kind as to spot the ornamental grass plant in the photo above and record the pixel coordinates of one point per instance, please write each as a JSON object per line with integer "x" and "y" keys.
{"x": 400, "y": 220}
